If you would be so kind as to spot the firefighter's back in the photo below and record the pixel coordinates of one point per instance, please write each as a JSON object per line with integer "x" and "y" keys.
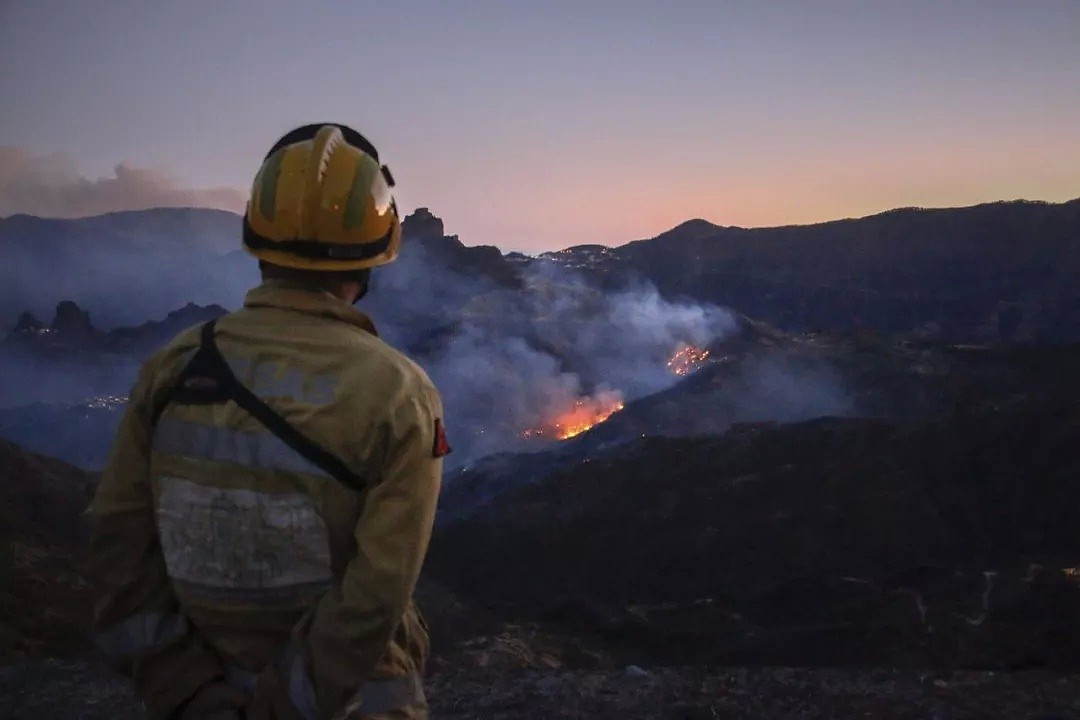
{"x": 252, "y": 532}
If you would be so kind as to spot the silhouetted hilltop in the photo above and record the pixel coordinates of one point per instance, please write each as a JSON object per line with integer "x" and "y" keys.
{"x": 127, "y": 266}
{"x": 73, "y": 331}
{"x": 447, "y": 255}
{"x": 128, "y": 231}
{"x": 150, "y": 336}
{"x": 1000, "y": 272}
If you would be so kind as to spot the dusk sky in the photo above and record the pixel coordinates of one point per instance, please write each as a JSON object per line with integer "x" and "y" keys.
{"x": 537, "y": 125}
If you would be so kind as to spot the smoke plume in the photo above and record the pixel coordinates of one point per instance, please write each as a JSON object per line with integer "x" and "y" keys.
{"x": 510, "y": 360}
{"x": 51, "y": 186}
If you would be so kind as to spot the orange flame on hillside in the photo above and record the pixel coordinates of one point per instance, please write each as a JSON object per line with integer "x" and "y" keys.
{"x": 687, "y": 359}
{"x": 585, "y": 413}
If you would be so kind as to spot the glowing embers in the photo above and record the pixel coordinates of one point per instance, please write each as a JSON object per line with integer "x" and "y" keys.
{"x": 686, "y": 360}
{"x": 585, "y": 413}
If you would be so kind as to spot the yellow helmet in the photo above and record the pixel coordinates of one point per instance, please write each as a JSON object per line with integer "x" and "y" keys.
{"x": 321, "y": 201}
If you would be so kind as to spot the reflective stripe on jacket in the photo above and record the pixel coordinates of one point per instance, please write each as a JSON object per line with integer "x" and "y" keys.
{"x": 218, "y": 546}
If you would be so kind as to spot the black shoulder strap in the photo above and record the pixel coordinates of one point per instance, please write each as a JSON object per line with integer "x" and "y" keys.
{"x": 209, "y": 379}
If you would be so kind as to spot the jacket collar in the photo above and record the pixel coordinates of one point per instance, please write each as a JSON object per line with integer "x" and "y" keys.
{"x": 288, "y": 295}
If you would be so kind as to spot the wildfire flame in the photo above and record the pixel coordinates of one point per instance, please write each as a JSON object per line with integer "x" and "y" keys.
{"x": 686, "y": 360}
{"x": 583, "y": 414}
{"x": 592, "y": 410}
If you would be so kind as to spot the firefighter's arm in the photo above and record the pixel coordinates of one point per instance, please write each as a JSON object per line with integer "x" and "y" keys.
{"x": 351, "y": 628}
{"x": 137, "y": 621}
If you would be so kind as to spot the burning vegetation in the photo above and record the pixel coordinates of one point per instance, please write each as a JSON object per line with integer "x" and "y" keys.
{"x": 687, "y": 359}
{"x": 583, "y": 414}
{"x": 589, "y": 411}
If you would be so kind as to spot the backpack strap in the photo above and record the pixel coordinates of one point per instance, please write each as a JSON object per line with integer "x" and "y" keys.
{"x": 208, "y": 379}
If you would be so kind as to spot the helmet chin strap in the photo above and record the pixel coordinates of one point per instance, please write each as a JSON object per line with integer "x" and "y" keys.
{"x": 364, "y": 277}
{"x": 360, "y": 295}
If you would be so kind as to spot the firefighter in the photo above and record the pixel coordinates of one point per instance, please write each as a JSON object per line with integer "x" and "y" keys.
{"x": 269, "y": 498}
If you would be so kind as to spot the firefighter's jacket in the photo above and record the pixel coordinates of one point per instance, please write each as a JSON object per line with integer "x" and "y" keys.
{"x": 223, "y": 553}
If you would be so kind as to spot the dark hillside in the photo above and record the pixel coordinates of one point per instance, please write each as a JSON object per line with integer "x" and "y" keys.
{"x": 1001, "y": 272}
{"x": 44, "y": 606}
{"x": 949, "y": 541}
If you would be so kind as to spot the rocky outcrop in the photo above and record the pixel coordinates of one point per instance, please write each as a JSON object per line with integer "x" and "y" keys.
{"x": 72, "y": 322}
{"x": 70, "y": 329}
{"x": 28, "y": 326}
{"x": 73, "y": 331}
{"x": 422, "y": 225}
{"x": 446, "y": 255}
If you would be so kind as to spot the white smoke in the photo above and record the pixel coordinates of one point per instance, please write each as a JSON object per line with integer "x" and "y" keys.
{"x": 511, "y": 359}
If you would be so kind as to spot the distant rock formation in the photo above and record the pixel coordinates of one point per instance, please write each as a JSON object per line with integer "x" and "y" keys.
{"x": 423, "y": 224}
{"x": 73, "y": 330}
{"x": 448, "y": 254}
{"x": 73, "y": 323}
{"x": 28, "y": 325}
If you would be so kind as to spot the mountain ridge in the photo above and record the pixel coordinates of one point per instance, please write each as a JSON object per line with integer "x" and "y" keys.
{"x": 691, "y": 223}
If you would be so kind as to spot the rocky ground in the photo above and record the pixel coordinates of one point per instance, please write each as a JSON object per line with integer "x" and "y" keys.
{"x": 79, "y": 691}
{"x": 44, "y": 599}
{"x": 705, "y": 694}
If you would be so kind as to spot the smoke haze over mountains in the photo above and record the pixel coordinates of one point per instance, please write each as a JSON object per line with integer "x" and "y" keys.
{"x": 124, "y": 268}
{"x": 506, "y": 359}
{"x": 518, "y": 345}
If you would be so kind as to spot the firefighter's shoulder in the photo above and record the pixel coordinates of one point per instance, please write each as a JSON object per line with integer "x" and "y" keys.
{"x": 372, "y": 363}
{"x": 160, "y": 370}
